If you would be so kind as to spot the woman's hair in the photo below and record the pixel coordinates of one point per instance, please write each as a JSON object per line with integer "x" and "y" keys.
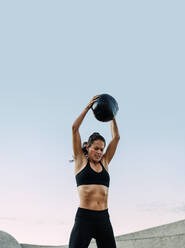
{"x": 92, "y": 138}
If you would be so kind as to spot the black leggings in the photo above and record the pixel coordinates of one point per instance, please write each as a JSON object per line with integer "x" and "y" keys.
{"x": 92, "y": 224}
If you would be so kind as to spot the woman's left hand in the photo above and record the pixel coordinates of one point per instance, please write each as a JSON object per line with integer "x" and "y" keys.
{"x": 92, "y": 101}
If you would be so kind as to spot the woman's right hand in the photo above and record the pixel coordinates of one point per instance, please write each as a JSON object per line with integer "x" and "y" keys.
{"x": 92, "y": 101}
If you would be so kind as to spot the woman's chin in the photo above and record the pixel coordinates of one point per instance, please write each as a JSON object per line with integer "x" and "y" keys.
{"x": 96, "y": 160}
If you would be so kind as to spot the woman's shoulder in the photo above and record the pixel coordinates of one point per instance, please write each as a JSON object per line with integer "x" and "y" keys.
{"x": 80, "y": 163}
{"x": 104, "y": 163}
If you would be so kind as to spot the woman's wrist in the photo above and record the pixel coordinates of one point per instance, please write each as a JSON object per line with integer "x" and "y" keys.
{"x": 87, "y": 107}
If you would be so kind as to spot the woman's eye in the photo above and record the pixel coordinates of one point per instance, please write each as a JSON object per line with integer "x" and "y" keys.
{"x": 96, "y": 148}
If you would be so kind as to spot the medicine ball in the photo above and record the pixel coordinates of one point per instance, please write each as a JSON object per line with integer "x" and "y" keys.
{"x": 105, "y": 108}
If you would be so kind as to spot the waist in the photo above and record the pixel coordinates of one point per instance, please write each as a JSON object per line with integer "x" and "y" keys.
{"x": 90, "y": 214}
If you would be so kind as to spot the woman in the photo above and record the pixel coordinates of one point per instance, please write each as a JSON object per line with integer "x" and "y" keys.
{"x": 92, "y": 177}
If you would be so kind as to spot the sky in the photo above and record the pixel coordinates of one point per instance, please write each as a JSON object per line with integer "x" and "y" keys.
{"x": 54, "y": 57}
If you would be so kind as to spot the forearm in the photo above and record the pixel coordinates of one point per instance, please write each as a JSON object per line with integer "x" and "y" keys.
{"x": 79, "y": 120}
{"x": 114, "y": 129}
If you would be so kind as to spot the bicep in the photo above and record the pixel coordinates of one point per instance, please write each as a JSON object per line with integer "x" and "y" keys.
{"x": 77, "y": 146}
{"x": 111, "y": 150}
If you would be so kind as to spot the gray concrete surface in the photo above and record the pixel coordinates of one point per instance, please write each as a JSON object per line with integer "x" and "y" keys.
{"x": 7, "y": 241}
{"x": 166, "y": 236}
{"x": 41, "y": 246}
{"x": 171, "y": 235}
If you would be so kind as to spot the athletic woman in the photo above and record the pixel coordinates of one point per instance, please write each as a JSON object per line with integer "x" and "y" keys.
{"x": 92, "y": 177}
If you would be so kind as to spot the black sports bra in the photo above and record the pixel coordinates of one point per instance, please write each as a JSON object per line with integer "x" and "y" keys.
{"x": 89, "y": 176}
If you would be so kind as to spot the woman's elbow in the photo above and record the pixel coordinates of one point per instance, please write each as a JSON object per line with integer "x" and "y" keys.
{"x": 117, "y": 137}
{"x": 74, "y": 128}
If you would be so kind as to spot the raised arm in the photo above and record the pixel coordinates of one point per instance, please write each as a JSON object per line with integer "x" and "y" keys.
{"x": 76, "y": 139}
{"x": 113, "y": 144}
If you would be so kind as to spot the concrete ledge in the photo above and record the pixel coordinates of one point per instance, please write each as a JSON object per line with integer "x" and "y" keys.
{"x": 7, "y": 241}
{"x": 165, "y": 236}
{"x": 40, "y": 246}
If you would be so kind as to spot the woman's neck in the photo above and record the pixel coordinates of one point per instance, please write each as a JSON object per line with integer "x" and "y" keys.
{"x": 93, "y": 162}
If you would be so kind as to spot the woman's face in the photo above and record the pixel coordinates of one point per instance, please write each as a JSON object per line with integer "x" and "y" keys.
{"x": 95, "y": 151}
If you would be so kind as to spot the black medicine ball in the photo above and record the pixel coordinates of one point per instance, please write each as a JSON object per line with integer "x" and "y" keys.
{"x": 105, "y": 108}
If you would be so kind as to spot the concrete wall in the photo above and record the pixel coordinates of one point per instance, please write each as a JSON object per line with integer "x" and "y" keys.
{"x": 166, "y": 236}
{"x": 7, "y": 241}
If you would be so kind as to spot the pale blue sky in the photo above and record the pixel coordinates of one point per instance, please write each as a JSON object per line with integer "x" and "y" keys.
{"x": 54, "y": 57}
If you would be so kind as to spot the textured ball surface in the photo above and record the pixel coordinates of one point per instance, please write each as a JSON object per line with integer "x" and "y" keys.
{"x": 105, "y": 108}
